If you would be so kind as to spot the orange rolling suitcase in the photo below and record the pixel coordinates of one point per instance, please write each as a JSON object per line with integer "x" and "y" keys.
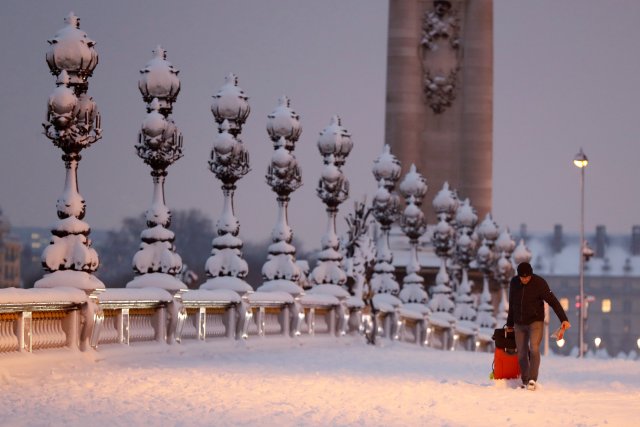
{"x": 505, "y": 358}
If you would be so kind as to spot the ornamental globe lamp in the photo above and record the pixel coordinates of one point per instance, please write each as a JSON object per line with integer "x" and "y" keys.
{"x": 231, "y": 104}
{"x": 283, "y": 122}
{"x": 387, "y": 167}
{"x": 413, "y": 185}
{"x": 446, "y": 202}
{"x": 488, "y": 229}
{"x": 505, "y": 243}
{"x": 159, "y": 79}
{"x": 72, "y": 51}
{"x": 335, "y": 140}
{"x": 466, "y": 216}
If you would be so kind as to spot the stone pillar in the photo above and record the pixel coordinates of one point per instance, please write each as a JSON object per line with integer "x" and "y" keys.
{"x": 444, "y": 127}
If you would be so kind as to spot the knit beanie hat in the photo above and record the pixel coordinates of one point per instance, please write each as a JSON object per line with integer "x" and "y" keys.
{"x": 524, "y": 269}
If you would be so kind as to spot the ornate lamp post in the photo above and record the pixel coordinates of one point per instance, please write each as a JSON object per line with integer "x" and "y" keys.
{"x": 504, "y": 269}
{"x": 441, "y": 305}
{"x": 229, "y": 162}
{"x": 445, "y": 204}
{"x": 159, "y": 145}
{"x": 465, "y": 313}
{"x": 280, "y": 272}
{"x": 465, "y": 222}
{"x": 487, "y": 233}
{"x": 73, "y": 123}
{"x": 581, "y": 162}
{"x": 413, "y": 188}
{"x": 334, "y": 145}
{"x": 386, "y": 170}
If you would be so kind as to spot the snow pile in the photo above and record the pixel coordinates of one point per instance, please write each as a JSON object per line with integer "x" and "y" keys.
{"x": 61, "y": 294}
{"x": 311, "y": 382}
{"x": 156, "y": 280}
{"x": 70, "y": 279}
{"x": 141, "y": 294}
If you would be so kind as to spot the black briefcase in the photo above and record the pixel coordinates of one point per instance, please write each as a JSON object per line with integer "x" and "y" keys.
{"x": 505, "y": 340}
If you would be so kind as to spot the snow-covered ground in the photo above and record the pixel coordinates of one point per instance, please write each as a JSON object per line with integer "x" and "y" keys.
{"x": 309, "y": 382}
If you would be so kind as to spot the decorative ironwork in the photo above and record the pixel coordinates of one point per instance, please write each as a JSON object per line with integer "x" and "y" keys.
{"x": 73, "y": 123}
{"x": 159, "y": 146}
{"x": 443, "y": 238}
{"x": 229, "y": 162}
{"x": 504, "y": 270}
{"x": 385, "y": 209}
{"x": 334, "y": 145}
{"x": 281, "y": 272}
{"x": 413, "y": 188}
{"x": 487, "y": 233}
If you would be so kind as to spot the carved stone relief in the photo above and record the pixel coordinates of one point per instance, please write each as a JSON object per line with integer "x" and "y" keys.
{"x": 440, "y": 51}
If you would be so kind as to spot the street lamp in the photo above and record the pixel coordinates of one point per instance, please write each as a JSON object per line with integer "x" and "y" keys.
{"x": 581, "y": 162}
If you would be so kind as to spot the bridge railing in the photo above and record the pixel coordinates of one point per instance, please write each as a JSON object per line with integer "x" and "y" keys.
{"x": 36, "y": 319}
{"x": 123, "y": 316}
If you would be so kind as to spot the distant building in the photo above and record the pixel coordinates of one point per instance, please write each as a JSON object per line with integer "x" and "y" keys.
{"x": 10, "y": 252}
{"x": 34, "y": 240}
{"x": 612, "y": 280}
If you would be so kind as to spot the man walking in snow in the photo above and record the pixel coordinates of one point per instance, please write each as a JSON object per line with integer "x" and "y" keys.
{"x": 527, "y": 294}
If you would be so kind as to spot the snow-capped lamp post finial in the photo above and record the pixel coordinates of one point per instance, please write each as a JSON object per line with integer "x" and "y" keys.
{"x": 521, "y": 253}
{"x": 159, "y": 145}
{"x": 229, "y": 162}
{"x": 159, "y": 80}
{"x": 231, "y": 104}
{"x": 73, "y": 124}
{"x": 280, "y": 272}
{"x": 72, "y": 51}
{"x": 385, "y": 209}
{"x": 413, "y": 188}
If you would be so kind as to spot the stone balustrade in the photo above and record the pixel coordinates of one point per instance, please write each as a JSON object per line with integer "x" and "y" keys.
{"x": 38, "y": 319}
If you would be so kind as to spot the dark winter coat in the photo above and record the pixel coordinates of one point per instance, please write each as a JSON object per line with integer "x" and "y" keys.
{"x": 526, "y": 302}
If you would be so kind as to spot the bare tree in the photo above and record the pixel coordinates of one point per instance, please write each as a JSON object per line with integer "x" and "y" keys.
{"x": 360, "y": 254}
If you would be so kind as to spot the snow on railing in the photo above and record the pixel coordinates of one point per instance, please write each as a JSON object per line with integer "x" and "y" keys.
{"x": 271, "y": 313}
{"x": 131, "y": 315}
{"x": 37, "y": 319}
{"x": 412, "y": 318}
{"x": 209, "y": 314}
